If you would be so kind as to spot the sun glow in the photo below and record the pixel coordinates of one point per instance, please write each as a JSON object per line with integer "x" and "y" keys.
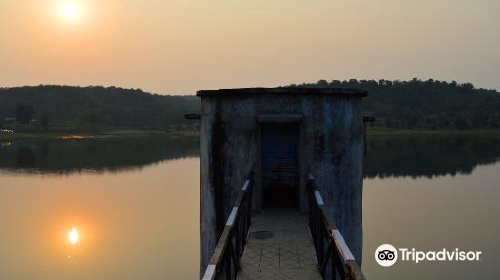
{"x": 73, "y": 236}
{"x": 69, "y": 10}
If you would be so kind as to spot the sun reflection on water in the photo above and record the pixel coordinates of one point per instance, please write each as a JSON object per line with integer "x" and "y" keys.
{"x": 73, "y": 236}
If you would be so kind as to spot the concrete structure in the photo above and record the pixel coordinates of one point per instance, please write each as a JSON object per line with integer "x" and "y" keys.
{"x": 282, "y": 134}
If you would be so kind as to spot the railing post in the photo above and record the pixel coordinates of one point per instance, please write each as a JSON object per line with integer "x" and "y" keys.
{"x": 330, "y": 245}
{"x": 229, "y": 249}
{"x": 228, "y": 265}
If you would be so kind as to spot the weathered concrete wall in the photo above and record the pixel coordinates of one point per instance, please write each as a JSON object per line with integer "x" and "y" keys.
{"x": 331, "y": 148}
{"x": 334, "y": 156}
{"x": 207, "y": 192}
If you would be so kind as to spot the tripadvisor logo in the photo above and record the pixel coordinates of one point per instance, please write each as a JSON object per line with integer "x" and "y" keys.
{"x": 387, "y": 255}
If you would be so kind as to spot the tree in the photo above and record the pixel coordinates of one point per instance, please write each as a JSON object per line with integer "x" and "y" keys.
{"x": 429, "y": 104}
{"x": 444, "y": 104}
{"x": 322, "y": 83}
{"x": 45, "y": 120}
{"x": 24, "y": 114}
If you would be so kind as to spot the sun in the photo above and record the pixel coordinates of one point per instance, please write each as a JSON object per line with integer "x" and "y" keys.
{"x": 69, "y": 10}
{"x": 73, "y": 236}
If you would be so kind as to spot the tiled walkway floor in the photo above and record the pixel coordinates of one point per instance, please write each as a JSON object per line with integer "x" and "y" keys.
{"x": 279, "y": 247}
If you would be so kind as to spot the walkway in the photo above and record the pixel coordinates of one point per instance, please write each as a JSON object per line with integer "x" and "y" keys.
{"x": 279, "y": 247}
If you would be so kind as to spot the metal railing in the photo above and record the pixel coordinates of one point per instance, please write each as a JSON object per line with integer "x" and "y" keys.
{"x": 225, "y": 261}
{"x": 335, "y": 259}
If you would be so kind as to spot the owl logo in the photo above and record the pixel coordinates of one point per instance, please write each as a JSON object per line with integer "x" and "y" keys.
{"x": 386, "y": 255}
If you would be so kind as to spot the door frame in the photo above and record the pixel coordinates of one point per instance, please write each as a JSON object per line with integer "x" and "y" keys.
{"x": 281, "y": 119}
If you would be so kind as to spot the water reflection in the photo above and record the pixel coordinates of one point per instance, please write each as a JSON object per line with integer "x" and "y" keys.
{"x": 428, "y": 156}
{"x": 432, "y": 214}
{"x": 148, "y": 221}
{"x": 25, "y": 157}
{"x": 387, "y": 156}
{"x": 113, "y": 155}
{"x": 141, "y": 224}
{"x": 73, "y": 236}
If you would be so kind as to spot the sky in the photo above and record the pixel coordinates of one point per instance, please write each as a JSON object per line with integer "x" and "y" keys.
{"x": 181, "y": 46}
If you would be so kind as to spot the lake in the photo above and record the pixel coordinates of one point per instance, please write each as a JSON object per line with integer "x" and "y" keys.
{"x": 135, "y": 205}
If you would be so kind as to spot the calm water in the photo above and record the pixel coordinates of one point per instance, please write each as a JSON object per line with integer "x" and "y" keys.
{"x": 135, "y": 205}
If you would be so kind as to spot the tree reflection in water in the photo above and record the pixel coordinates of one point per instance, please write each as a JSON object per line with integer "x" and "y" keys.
{"x": 387, "y": 156}
{"x": 429, "y": 155}
{"x": 25, "y": 157}
{"x": 112, "y": 155}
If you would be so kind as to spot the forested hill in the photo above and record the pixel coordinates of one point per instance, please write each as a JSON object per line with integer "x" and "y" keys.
{"x": 405, "y": 104}
{"x": 91, "y": 106}
{"x": 427, "y": 104}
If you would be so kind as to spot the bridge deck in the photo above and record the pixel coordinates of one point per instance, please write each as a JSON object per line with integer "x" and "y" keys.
{"x": 280, "y": 247}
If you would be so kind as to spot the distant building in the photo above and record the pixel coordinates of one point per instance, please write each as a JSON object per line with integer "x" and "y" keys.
{"x": 10, "y": 120}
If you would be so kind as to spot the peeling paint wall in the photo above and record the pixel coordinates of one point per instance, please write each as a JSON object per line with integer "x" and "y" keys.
{"x": 331, "y": 148}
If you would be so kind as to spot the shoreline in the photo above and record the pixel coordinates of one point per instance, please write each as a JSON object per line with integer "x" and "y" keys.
{"x": 138, "y": 133}
{"x": 408, "y": 132}
{"x": 110, "y": 134}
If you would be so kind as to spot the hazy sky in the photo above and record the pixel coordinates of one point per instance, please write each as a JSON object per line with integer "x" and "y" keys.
{"x": 180, "y": 46}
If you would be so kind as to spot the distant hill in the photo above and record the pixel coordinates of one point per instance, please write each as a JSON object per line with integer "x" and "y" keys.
{"x": 427, "y": 104}
{"x": 396, "y": 104}
{"x": 92, "y": 106}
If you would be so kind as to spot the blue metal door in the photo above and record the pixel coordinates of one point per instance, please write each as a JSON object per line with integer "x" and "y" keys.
{"x": 279, "y": 151}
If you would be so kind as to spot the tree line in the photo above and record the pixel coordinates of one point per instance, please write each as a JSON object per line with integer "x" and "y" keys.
{"x": 427, "y": 104}
{"x": 409, "y": 104}
{"x": 95, "y": 106}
